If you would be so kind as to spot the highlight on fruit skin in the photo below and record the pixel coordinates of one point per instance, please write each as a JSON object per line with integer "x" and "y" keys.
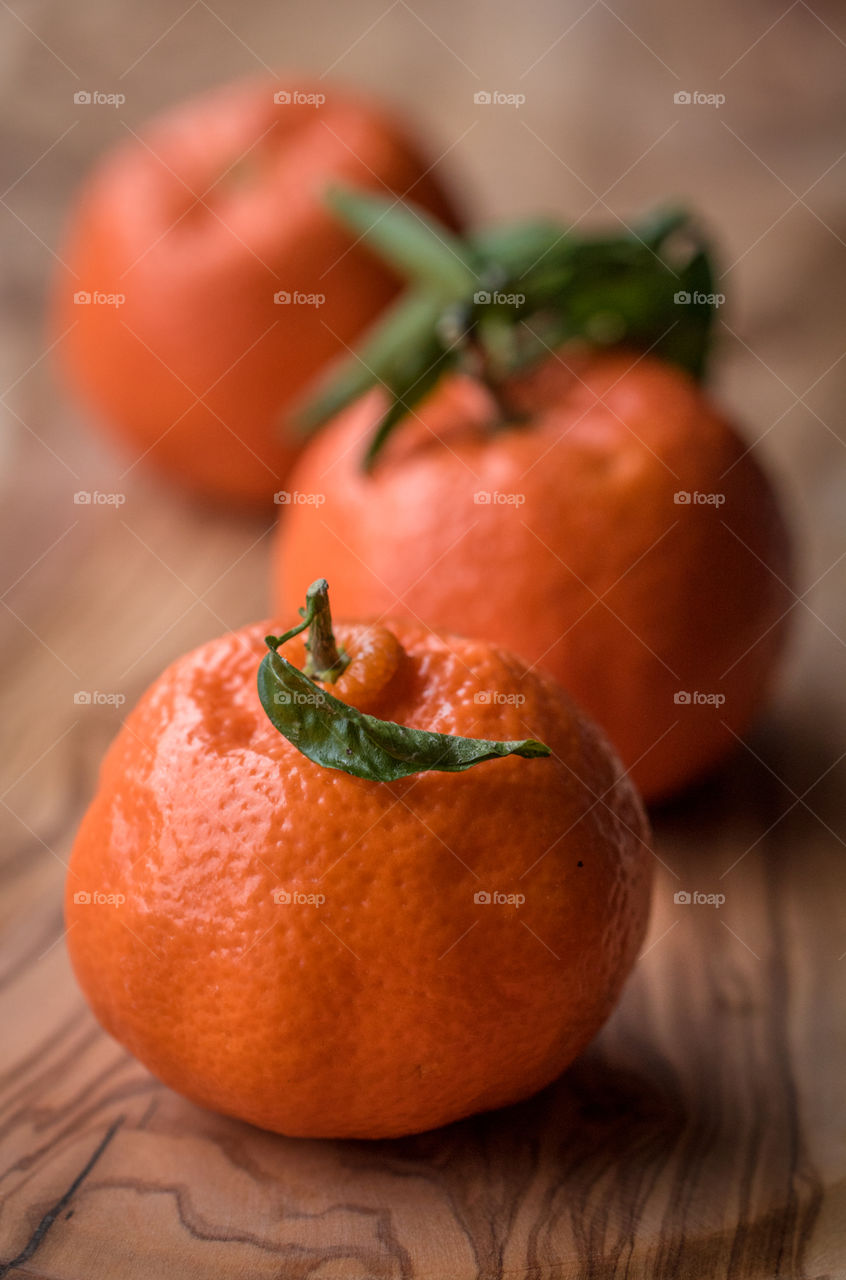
{"x": 323, "y": 954}
{"x": 206, "y": 284}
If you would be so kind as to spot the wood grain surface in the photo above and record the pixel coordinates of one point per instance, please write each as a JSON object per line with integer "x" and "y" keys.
{"x": 704, "y": 1132}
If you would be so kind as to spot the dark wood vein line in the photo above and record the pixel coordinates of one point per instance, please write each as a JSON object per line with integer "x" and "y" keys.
{"x": 52, "y": 1214}
{"x": 200, "y": 1229}
{"x": 71, "y": 1125}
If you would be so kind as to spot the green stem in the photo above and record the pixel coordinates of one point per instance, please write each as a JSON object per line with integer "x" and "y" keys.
{"x": 326, "y": 662}
{"x": 337, "y": 736}
{"x": 481, "y": 367}
{"x": 458, "y": 331}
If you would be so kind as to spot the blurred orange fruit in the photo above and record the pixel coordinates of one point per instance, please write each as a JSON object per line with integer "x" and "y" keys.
{"x": 617, "y": 533}
{"x": 206, "y": 285}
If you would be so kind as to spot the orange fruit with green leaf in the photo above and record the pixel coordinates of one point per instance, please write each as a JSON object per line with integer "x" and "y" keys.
{"x": 523, "y": 452}
{"x": 392, "y": 880}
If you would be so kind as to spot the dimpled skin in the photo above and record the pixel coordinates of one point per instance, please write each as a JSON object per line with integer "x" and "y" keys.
{"x": 399, "y": 1002}
{"x": 197, "y": 369}
{"x": 589, "y": 567}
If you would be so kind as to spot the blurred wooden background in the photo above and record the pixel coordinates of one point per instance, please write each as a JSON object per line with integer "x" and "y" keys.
{"x": 705, "y": 1133}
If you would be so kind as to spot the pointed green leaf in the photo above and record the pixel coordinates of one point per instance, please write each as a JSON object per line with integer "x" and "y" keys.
{"x": 410, "y": 239}
{"x": 406, "y": 327}
{"x": 337, "y": 736}
{"x": 517, "y": 247}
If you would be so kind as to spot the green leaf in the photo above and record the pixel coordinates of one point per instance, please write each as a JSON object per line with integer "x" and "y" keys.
{"x": 499, "y": 301}
{"x": 409, "y": 239}
{"x": 337, "y": 736}
{"x": 407, "y": 326}
{"x": 516, "y": 246}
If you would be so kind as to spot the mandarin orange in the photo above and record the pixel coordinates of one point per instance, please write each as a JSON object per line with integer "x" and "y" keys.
{"x": 326, "y": 955}
{"x": 204, "y": 284}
